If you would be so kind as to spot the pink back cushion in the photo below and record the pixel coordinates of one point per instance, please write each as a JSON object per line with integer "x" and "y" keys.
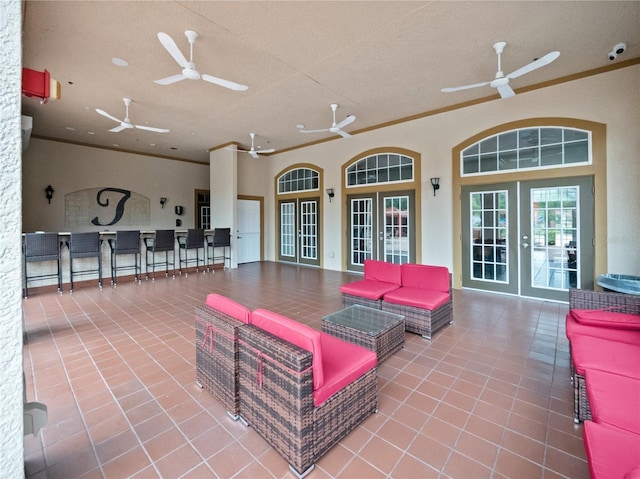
{"x": 228, "y": 307}
{"x": 607, "y": 319}
{"x": 434, "y": 278}
{"x": 296, "y": 333}
{"x": 382, "y": 271}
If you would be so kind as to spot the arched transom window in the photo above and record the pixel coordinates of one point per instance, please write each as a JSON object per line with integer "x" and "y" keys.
{"x": 380, "y": 168}
{"x": 526, "y": 149}
{"x": 299, "y": 179}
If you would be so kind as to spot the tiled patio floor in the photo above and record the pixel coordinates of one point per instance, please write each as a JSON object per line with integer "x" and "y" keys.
{"x": 488, "y": 397}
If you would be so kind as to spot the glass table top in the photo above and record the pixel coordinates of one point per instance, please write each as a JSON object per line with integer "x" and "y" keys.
{"x": 368, "y": 320}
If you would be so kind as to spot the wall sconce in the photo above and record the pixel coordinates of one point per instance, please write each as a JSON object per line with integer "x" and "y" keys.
{"x": 163, "y": 200}
{"x": 330, "y": 193}
{"x": 435, "y": 182}
{"x": 49, "y": 192}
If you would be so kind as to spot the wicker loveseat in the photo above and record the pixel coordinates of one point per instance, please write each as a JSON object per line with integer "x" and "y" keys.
{"x": 302, "y": 390}
{"x": 217, "y": 324}
{"x": 421, "y": 293}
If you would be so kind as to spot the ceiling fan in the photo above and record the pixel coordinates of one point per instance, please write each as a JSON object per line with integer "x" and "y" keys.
{"x": 335, "y": 127}
{"x": 188, "y": 67}
{"x": 126, "y": 123}
{"x": 253, "y": 152}
{"x": 501, "y": 82}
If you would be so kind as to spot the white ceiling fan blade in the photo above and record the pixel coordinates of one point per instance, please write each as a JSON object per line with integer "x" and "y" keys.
{"x": 117, "y": 129}
{"x": 506, "y": 91}
{"x": 313, "y": 131}
{"x": 106, "y": 115}
{"x": 540, "y": 62}
{"x": 253, "y": 153}
{"x": 270, "y": 150}
{"x": 464, "y": 87}
{"x": 348, "y": 120}
{"x": 343, "y": 134}
{"x": 172, "y": 48}
{"x": 151, "y": 128}
{"x": 225, "y": 83}
{"x": 171, "y": 79}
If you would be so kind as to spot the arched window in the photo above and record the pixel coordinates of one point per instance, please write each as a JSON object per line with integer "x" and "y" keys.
{"x": 380, "y": 168}
{"x": 299, "y": 179}
{"x": 527, "y": 149}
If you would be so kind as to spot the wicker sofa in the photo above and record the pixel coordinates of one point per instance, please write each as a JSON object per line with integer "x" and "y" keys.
{"x": 421, "y": 293}
{"x": 302, "y": 390}
{"x": 217, "y": 324}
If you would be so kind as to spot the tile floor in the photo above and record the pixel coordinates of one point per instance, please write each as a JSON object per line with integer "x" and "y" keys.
{"x": 488, "y": 397}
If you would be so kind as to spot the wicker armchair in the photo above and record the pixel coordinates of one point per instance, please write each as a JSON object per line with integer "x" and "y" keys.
{"x": 217, "y": 324}
{"x": 596, "y": 300}
{"x": 277, "y": 398}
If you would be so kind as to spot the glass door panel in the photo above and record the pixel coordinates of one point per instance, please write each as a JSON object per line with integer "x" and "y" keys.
{"x": 299, "y": 231}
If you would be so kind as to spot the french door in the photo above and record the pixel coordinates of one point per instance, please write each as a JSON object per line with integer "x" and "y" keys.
{"x": 299, "y": 231}
{"x": 531, "y": 238}
{"x": 381, "y": 226}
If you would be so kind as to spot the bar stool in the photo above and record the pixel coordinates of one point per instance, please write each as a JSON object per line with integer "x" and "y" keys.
{"x": 125, "y": 242}
{"x": 163, "y": 241}
{"x": 193, "y": 240}
{"x": 221, "y": 239}
{"x": 40, "y": 247}
{"x": 85, "y": 245}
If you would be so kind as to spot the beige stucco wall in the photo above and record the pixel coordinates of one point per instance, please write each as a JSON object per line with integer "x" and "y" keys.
{"x": 68, "y": 168}
{"x": 11, "y": 422}
{"x": 611, "y": 98}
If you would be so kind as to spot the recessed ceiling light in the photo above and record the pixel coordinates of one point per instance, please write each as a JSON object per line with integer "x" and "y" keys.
{"x": 116, "y": 145}
{"x": 91, "y": 132}
{"x": 121, "y": 62}
{"x": 70, "y": 128}
{"x": 299, "y": 126}
{"x": 152, "y": 144}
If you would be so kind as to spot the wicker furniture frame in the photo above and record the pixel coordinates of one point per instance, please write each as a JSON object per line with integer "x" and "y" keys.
{"x": 350, "y": 299}
{"x": 425, "y": 322}
{"x": 594, "y": 300}
{"x": 217, "y": 357}
{"x": 39, "y": 247}
{"x": 85, "y": 245}
{"x": 163, "y": 241}
{"x": 276, "y": 399}
{"x": 361, "y": 325}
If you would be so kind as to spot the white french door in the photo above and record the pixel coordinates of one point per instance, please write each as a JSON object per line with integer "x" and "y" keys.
{"x": 299, "y": 231}
{"x": 531, "y": 238}
{"x": 381, "y": 226}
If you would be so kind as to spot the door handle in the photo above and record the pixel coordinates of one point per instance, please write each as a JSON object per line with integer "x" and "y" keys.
{"x": 525, "y": 245}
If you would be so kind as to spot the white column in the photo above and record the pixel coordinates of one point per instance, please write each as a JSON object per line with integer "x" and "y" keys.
{"x": 223, "y": 171}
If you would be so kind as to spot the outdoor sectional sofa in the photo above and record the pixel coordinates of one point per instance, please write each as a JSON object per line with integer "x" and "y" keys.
{"x": 421, "y": 293}
{"x": 301, "y": 389}
{"x": 603, "y": 329}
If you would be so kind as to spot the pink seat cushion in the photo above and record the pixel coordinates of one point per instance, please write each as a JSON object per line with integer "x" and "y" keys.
{"x": 588, "y": 352}
{"x": 611, "y": 452}
{"x": 228, "y": 307}
{"x": 433, "y": 278}
{"x": 417, "y": 297}
{"x": 382, "y": 271}
{"x": 343, "y": 363}
{"x": 607, "y": 319}
{"x": 622, "y": 335}
{"x": 633, "y": 473}
{"x": 367, "y": 288}
{"x": 614, "y": 399}
{"x": 296, "y": 333}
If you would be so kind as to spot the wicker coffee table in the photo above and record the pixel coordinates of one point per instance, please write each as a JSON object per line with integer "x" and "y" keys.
{"x": 370, "y": 328}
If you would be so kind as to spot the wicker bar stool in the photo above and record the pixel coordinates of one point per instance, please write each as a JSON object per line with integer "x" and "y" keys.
{"x": 41, "y": 247}
{"x": 85, "y": 245}
{"x": 164, "y": 241}
{"x": 193, "y": 240}
{"x": 125, "y": 242}
{"x": 221, "y": 239}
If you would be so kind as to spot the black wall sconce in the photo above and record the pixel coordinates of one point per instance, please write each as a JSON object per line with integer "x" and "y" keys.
{"x": 49, "y": 192}
{"x": 163, "y": 200}
{"x": 330, "y": 193}
{"x": 435, "y": 182}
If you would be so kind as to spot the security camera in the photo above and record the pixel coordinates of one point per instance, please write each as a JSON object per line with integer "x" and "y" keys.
{"x": 612, "y": 56}
{"x": 620, "y": 48}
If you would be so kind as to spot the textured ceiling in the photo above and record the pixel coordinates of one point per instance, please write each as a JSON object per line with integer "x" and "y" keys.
{"x": 380, "y": 61}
